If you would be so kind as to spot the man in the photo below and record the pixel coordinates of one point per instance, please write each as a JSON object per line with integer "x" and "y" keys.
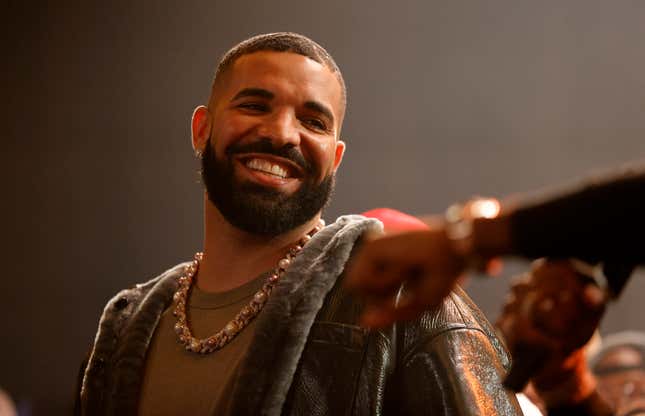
{"x": 619, "y": 367}
{"x": 259, "y": 323}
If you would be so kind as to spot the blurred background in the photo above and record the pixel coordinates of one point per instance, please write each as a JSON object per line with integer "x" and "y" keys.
{"x": 447, "y": 99}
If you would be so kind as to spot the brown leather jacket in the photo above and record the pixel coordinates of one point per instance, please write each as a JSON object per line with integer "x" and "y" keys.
{"x": 449, "y": 362}
{"x": 310, "y": 357}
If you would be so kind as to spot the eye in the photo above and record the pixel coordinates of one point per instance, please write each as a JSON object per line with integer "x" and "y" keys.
{"x": 253, "y": 107}
{"x": 315, "y": 124}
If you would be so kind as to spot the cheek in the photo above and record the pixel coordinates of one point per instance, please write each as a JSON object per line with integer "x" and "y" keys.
{"x": 227, "y": 132}
{"x": 323, "y": 152}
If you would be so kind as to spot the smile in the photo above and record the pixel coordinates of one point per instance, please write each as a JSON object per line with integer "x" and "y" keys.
{"x": 265, "y": 166}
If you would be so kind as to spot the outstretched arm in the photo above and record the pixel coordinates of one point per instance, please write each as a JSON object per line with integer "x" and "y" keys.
{"x": 601, "y": 220}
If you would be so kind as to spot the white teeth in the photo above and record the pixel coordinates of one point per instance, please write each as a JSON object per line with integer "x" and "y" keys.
{"x": 267, "y": 167}
{"x": 277, "y": 170}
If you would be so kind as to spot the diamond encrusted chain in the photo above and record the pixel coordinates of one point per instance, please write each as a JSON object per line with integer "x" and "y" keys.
{"x": 244, "y": 317}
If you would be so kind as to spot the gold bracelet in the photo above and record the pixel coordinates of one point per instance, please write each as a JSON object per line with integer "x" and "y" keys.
{"x": 459, "y": 228}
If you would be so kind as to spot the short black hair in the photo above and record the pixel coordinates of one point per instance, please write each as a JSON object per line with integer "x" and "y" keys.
{"x": 282, "y": 42}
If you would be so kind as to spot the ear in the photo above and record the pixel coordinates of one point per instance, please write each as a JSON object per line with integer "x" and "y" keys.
{"x": 338, "y": 156}
{"x": 201, "y": 127}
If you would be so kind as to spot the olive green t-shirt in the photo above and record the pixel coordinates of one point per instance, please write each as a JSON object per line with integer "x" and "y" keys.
{"x": 180, "y": 382}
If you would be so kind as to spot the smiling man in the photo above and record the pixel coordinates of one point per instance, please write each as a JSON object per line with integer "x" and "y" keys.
{"x": 259, "y": 322}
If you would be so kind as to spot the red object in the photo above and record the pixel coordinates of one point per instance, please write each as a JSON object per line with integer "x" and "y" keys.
{"x": 396, "y": 221}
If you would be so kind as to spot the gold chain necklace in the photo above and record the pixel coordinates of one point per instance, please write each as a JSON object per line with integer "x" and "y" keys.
{"x": 244, "y": 317}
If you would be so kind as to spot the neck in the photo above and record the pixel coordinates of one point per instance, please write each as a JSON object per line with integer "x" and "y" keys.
{"x": 233, "y": 257}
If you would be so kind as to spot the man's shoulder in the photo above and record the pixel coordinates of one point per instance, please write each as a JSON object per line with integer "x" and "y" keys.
{"x": 125, "y": 302}
{"x": 456, "y": 313}
{"x": 463, "y": 310}
{"x": 141, "y": 289}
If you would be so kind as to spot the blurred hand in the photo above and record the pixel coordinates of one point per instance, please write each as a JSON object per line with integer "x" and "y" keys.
{"x": 549, "y": 316}
{"x": 424, "y": 262}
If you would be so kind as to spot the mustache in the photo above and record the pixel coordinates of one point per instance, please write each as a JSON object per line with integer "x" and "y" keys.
{"x": 266, "y": 146}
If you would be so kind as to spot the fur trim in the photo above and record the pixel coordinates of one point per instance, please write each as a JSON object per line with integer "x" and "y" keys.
{"x": 130, "y": 355}
{"x": 113, "y": 374}
{"x": 283, "y": 327}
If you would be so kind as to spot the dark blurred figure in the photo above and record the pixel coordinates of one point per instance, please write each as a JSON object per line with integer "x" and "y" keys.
{"x": 548, "y": 321}
{"x": 549, "y": 317}
{"x": 619, "y": 367}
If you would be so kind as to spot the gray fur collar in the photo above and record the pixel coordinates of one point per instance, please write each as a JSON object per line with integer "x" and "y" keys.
{"x": 114, "y": 373}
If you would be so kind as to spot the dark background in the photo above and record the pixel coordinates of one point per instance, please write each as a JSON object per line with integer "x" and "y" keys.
{"x": 446, "y": 99}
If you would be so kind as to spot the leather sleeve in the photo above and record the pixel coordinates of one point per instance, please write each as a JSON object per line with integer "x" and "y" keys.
{"x": 599, "y": 219}
{"x": 451, "y": 363}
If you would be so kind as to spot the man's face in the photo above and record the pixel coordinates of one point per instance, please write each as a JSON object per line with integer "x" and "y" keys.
{"x": 273, "y": 151}
{"x": 621, "y": 379}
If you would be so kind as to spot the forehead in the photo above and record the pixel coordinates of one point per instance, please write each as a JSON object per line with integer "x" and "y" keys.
{"x": 287, "y": 75}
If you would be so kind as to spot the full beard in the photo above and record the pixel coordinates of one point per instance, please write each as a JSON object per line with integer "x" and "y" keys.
{"x": 258, "y": 209}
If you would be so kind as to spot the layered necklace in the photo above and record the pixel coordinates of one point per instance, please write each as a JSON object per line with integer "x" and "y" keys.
{"x": 244, "y": 317}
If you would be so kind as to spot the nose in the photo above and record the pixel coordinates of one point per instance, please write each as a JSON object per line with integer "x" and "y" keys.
{"x": 281, "y": 127}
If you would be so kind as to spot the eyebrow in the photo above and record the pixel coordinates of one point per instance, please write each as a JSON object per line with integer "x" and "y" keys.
{"x": 253, "y": 92}
{"x": 320, "y": 108}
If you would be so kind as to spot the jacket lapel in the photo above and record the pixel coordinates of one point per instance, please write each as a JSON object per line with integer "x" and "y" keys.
{"x": 265, "y": 376}
{"x": 130, "y": 357}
